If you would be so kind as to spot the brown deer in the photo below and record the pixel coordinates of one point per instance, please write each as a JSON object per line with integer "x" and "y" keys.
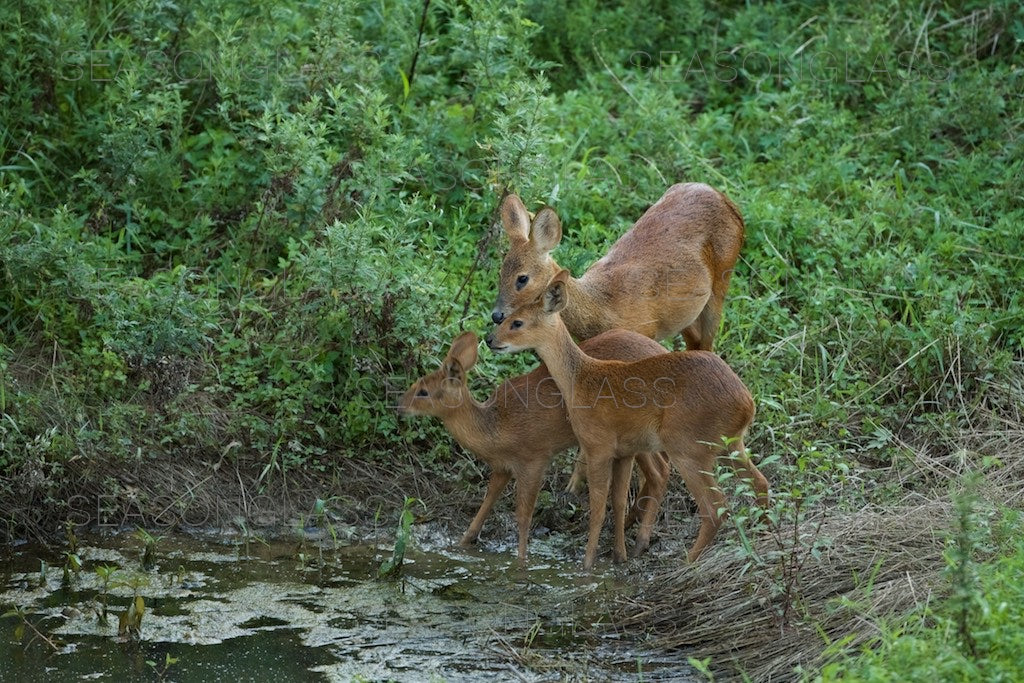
{"x": 521, "y": 428}
{"x": 681, "y": 403}
{"x": 668, "y": 273}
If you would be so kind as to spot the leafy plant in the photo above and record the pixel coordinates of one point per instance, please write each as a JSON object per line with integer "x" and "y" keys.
{"x": 392, "y": 567}
{"x": 149, "y": 543}
{"x": 130, "y": 621}
{"x": 25, "y": 625}
{"x": 106, "y": 574}
{"x": 161, "y": 671}
{"x": 791, "y": 524}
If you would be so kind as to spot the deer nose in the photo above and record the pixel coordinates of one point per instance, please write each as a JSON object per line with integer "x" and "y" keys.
{"x": 489, "y": 339}
{"x": 497, "y": 316}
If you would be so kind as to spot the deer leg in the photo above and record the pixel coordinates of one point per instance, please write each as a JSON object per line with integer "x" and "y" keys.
{"x": 622, "y": 473}
{"x": 637, "y": 509}
{"x": 695, "y": 465}
{"x": 656, "y": 470}
{"x": 578, "y": 478}
{"x": 527, "y": 487}
{"x": 705, "y": 327}
{"x": 743, "y": 467}
{"x": 495, "y": 486}
{"x": 599, "y": 474}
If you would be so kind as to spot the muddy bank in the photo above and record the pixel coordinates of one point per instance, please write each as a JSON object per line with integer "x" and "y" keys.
{"x": 166, "y": 494}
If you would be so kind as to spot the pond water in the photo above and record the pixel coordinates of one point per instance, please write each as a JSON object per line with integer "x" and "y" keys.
{"x": 258, "y": 611}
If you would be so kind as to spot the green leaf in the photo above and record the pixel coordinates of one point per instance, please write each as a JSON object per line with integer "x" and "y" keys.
{"x": 405, "y": 85}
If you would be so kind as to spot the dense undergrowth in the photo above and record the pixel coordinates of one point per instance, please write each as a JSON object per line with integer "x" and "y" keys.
{"x": 235, "y": 230}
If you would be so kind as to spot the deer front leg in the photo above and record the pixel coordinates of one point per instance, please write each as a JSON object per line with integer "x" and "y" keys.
{"x": 599, "y": 474}
{"x": 499, "y": 480}
{"x": 527, "y": 487}
{"x": 622, "y": 472}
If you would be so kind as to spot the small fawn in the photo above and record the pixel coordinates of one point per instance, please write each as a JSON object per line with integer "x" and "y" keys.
{"x": 523, "y": 425}
{"x": 681, "y": 403}
{"x": 668, "y": 273}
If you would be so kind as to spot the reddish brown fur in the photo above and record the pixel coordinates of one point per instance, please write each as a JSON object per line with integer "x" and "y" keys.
{"x": 520, "y": 429}
{"x": 668, "y": 274}
{"x": 682, "y": 403}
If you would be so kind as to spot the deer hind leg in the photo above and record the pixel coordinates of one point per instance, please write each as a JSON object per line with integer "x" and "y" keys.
{"x": 527, "y": 487}
{"x": 710, "y": 317}
{"x": 701, "y": 333}
{"x": 744, "y": 468}
{"x": 656, "y": 470}
{"x": 578, "y": 478}
{"x": 622, "y": 473}
{"x": 696, "y": 464}
{"x": 599, "y": 474}
{"x": 648, "y": 469}
{"x": 499, "y": 480}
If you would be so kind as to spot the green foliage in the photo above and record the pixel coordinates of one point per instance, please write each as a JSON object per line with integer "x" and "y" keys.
{"x": 392, "y": 567}
{"x": 234, "y": 223}
{"x": 149, "y": 543}
{"x": 237, "y": 230}
{"x": 106, "y": 574}
{"x": 161, "y": 672}
{"x": 976, "y": 634}
{"x": 130, "y": 621}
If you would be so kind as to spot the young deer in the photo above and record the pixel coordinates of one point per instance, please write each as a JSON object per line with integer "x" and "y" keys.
{"x": 668, "y": 273}
{"x": 521, "y": 428}
{"x": 682, "y": 403}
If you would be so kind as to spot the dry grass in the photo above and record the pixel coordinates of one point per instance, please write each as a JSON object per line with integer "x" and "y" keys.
{"x": 871, "y": 564}
{"x": 877, "y": 562}
{"x": 191, "y": 492}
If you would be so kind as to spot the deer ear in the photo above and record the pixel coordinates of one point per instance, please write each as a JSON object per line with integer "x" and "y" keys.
{"x": 546, "y": 232}
{"x": 515, "y": 219}
{"x": 453, "y": 369}
{"x": 554, "y": 295}
{"x": 462, "y": 355}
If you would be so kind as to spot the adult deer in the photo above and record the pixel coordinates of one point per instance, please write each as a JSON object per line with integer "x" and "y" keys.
{"x": 681, "y": 403}
{"x": 523, "y": 425}
{"x": 668, "y": 273}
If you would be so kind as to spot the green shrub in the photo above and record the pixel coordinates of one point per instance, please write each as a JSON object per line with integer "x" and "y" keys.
{"x": 227, "y": 222}
{"x": 974, "y": 634}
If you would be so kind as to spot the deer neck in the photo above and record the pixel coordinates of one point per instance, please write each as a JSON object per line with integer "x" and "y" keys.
{"x": 583, "y": 315}
{"x": 473, "y": 424}
{"x": 563, "y": 358}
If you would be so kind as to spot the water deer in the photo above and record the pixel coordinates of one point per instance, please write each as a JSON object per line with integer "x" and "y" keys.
{"x": 523, "y": 425}
{"x": 681, "y": 403}
{"x": 667, "y": 274}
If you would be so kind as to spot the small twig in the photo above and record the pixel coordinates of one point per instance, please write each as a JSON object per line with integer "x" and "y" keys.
{"x": 38, "y": 634}
{"x": 419, "y": 41}
{"x": 481, "y": 250}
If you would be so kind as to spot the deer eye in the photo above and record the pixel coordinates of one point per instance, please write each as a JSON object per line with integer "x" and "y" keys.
{"x": 516, "y": 324}
{"x": 422, "y": 393}
{"x": 521, "y": 281}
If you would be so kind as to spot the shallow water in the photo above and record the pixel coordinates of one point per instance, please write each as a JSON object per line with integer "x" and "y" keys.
{"x": 229, "y": 611}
